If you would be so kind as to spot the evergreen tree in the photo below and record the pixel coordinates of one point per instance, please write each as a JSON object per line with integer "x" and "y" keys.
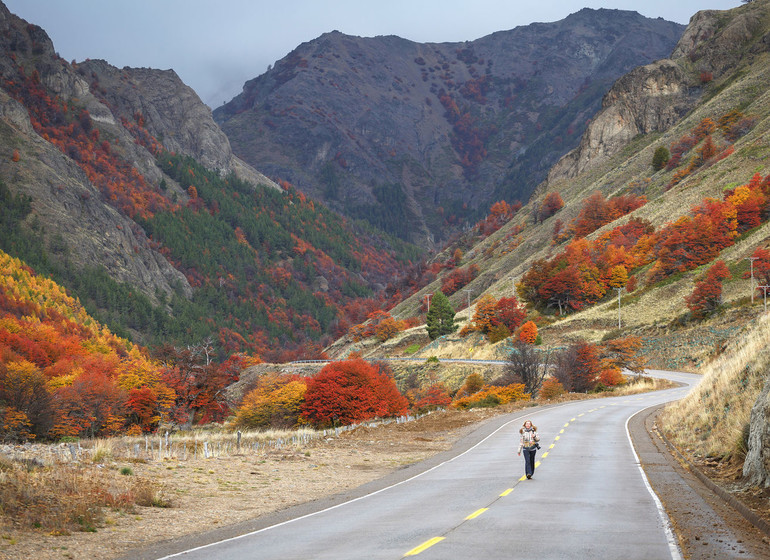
{"x": 660, "y": 158}
{"x": 441, "y": 316}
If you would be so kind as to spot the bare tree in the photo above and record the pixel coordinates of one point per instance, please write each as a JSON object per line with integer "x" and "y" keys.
{"x": 565, "y": 362}
{"x": 527, "y": 365}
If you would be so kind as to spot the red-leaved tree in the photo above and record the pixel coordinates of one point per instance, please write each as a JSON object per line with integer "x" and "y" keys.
{"x": 707, "y": 295}
{"x": 351, "y": 391}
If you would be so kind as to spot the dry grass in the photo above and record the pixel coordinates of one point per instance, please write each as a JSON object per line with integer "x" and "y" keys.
{"x": 712, "y": 420}
{"x": 62, "y": 498}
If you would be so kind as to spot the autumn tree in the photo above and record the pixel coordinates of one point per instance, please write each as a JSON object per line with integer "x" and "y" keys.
{"x": 485, "y": 318}
{"x": 551, "y": 204}
{"x": 618, "y": 277}
{"x": 351, "y": 391}
{"x": 623, "y": 354}
{"x": 26, "y": 400}
{"x": 707, "y": 295}
{"x": 586, "y": 367}
{"x": 528, "y": 333}
{"x": 473, "y": 384}
{"x": 510, "y": 312}
{"x": 276, "y": 402}
{"x": 441, "y": 316}
{"x": 432, "y": 397}
{"x": 198, "y": 381}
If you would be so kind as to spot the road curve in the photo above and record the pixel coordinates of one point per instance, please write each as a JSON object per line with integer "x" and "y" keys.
{"x": 589, "y": 498}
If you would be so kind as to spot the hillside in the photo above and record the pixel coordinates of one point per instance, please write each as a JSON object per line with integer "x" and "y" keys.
{"x": 505, "y": 255}
{"x": 119, "y": 184}
{"x": 428, "y": 136}
{"x": 708, "y": 106}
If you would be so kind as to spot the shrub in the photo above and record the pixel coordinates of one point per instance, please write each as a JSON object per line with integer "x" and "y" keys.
{"x": 276, "y": 402}
{"x": 611, "y": 378}
{"x": 498, "y": 333}
{"x": 490, "y": 396}
{"x": 351, "y": 391}
{"x": 433, "y": 397}
{"x": 551, "y": 389}
{"x": 528, "y": 332}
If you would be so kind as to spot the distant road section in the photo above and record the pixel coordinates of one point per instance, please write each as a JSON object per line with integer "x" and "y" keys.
{"x": 589, "y": 498}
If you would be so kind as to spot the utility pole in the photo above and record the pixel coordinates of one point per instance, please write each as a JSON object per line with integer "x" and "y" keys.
{"x": 764, "y": 289}
{"x": 618, "y": 290}
{"x": 468, "y": 291}
{"x": 752, "y": 259}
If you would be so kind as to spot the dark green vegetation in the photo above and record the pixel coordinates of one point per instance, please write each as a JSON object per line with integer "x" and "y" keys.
{"x": 441, "y": 316}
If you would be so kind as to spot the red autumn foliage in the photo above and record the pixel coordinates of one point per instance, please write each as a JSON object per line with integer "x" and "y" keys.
{"x": 587, "y": 367}
{"x": 499, "y": 213}
{"x": 528, "y": 332}
{"x": 351, "y": 391}
{"x": 458, "y": 278}
{"x": 598, "y": 211}
{"x": 707, "y": 295}
{"x": 551, "y": 204}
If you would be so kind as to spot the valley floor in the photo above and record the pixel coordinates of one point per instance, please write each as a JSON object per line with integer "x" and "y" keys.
{"x": 219, "y": 493}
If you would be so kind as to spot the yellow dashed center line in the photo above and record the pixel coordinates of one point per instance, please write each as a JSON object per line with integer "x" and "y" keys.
{"x": 424, "y": 546}
{"x": 435, "y": 540}
{"x": 476, "y": 513}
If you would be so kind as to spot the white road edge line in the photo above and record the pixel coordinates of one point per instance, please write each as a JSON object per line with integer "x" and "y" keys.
{"x": 673, "y": 544}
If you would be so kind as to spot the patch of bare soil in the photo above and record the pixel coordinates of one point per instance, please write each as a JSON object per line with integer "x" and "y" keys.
{"x": 205, "y": 494}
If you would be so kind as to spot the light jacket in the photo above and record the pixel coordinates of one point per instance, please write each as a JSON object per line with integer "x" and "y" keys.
{"x": 529, "y": 438}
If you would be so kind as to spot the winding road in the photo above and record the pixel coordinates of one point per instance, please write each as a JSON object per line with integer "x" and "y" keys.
{"x": 589, "y": 498}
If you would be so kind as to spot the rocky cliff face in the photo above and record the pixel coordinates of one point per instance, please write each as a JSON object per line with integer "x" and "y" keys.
{"x": 78, "y": 224}
{"x": 654, "y": 97}
{"x": 428, "y": 135}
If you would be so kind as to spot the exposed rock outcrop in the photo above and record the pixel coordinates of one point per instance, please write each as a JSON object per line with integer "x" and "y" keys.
{"x": 756, "y": 468}
{"x": 654, "y": 97}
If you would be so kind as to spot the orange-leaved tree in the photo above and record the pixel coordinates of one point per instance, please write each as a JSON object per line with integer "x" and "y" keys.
{"x": 528, "y": 332}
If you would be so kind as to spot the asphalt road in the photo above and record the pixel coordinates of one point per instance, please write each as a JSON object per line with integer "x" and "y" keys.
{"x": 589, "y": 498}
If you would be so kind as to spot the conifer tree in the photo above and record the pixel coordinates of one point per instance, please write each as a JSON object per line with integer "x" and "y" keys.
{"x": 441, "y": 316}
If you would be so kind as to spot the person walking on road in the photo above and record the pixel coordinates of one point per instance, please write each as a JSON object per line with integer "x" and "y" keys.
{"x": 529, "y": 444}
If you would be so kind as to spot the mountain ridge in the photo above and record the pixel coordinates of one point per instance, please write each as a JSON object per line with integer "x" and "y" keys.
{"x": 430, "y": 129}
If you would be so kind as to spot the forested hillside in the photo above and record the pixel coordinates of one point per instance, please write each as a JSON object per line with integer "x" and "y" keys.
{"x": 160, "y": 247}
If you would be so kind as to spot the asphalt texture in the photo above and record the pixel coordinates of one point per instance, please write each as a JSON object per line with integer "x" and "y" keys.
{"x": 589, "y": 498}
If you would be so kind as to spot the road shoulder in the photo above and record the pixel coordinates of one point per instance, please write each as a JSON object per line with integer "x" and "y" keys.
{"x": 706, "y": 525}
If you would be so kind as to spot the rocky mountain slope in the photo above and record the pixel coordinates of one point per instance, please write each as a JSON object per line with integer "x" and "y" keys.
{"x": 430, "y": 135}
{"x": 708, "y": 106}
{"x": 119, "y": 184}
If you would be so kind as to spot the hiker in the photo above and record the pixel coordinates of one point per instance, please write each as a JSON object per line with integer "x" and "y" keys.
{"x": 529, "y": 443}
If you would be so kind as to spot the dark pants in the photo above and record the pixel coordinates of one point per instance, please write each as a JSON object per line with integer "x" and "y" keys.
{"x": 529, "y": 460}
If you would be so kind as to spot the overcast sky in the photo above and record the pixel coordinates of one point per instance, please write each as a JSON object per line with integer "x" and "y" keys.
{"x": 216, "y": 45}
